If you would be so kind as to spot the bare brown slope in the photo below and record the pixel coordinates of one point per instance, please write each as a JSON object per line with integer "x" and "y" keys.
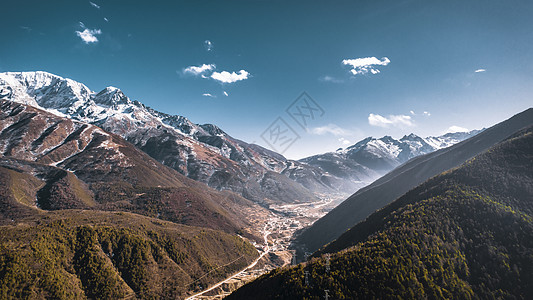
{"x": 82, "y": 166}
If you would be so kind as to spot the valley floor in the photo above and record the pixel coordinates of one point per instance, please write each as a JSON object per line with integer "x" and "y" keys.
{"x": 279, "y": 228}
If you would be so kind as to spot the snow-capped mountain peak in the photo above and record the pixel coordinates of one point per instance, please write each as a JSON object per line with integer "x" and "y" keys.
{"x": 408, "y": 146}
{"x": 449, "y": 139}
{"x": 44, "y": 90}
{"x": 70, "y": 98}
{"x": 111, "y": 96}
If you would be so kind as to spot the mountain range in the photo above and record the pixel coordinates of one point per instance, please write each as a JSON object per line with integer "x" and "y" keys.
{"x": 207, "y": 154}
{"x": 372, "y": 158}
{"x": 201, "y": 152}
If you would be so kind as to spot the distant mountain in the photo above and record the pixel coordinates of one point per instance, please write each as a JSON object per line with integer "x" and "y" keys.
{"x": 200, "y": 152}
{"x": 371, "y": 158}
{"x": 464, "y": 234}
{"x": 405, "y": 177}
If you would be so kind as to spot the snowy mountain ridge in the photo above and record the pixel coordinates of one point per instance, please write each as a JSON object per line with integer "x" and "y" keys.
{"x": 69, "y": 98}
{"x": 202, "y": 152}
{"x": 372, "y": 157}
{"x": 408, "y": 146}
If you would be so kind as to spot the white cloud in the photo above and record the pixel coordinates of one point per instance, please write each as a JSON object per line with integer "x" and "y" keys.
{"x": 454, "y": 128}
{"x": 206, "y": 71}
{"x": 391, "y": 120}
{"x": 208, "y": 95}
{"x": 427, "y": 114}
{"x": 480, "y": 70}
{"x": 199, "y": 70}
{"x": 227, "y": 77}
{"x": 88, "y": 35}
{"x": 208, "y": 45}
{"x": 365, "y": 64}
{"x": 225, "y": 93}
{"x": 95, "y": 5}
{"x": 330, "y": 128}
{"x": 344, "y": 141}
{"x": 328, "y": 78}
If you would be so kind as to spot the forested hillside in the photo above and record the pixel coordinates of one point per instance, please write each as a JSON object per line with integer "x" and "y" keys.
{"x": 465, "y": 234}
{"x": 70, "y": 254}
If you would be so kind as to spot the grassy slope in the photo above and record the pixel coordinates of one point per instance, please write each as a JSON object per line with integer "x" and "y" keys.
{"x": 467, "y": 233}
{"x": 17, "y": 194}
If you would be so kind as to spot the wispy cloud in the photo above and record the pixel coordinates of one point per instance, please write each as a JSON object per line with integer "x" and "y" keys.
{"x": 208, "y": 45}
{"x": 425, "y": 113}
{"x": 208, "y": 95}
{"x": 88, "y": 35}
{"x": 194, "y": 70}
{"x": 455, "y": 128}
{"x": 365, "y": 65}
{"x": 227, "y": 77}
{"x": 328, "y": 78}
{"x": 26, "y": 28}
{"x": 390, "y": 121}
{"x": 94, "y": 5}
{"x": 330, "y": 128}
{"x": 480, "y": 70}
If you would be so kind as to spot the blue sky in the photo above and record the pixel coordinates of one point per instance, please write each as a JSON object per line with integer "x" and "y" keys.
{"x": 374, "y": 67}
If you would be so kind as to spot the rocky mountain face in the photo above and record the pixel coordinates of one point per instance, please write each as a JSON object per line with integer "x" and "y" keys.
{"x": 75, "y": 165}
{"x": 403, "y": 178}
{"x": 372, "y": 158}
{"x": 466, "y": 233}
